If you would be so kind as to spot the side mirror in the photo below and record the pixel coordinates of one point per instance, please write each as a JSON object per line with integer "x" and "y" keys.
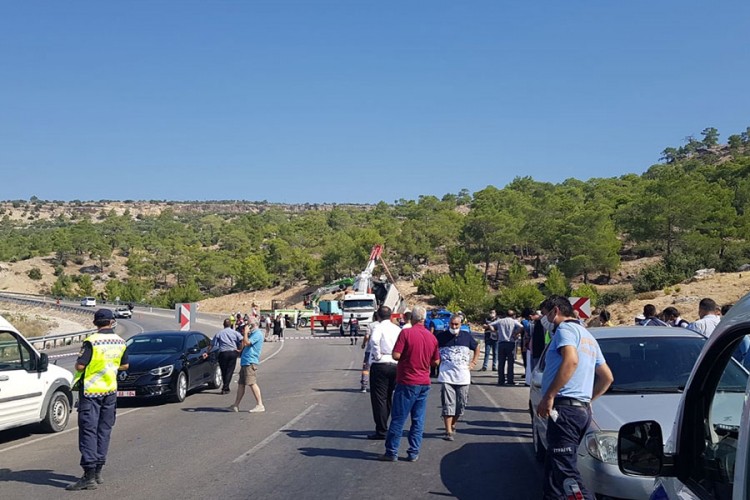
{"x": 193, "y": 350}
{"x": 640, "y": 448}
{"x": 42, "y": 363}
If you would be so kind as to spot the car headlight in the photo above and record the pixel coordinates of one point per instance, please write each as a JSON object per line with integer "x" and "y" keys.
{"x": 602, "y": 446}
{"x": 162, "y": 371}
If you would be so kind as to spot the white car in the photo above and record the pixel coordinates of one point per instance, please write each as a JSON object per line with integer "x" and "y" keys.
{"x": 31, "y": 390}
{"x": 123, "y": 312}
{"x": 88, "y": 302}
{"x": 651, "y": 366}
{"x": 708, "y": 452}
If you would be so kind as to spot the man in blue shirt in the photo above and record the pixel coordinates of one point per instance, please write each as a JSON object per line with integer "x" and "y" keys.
{"x": 252, "y": 344}
{"x": 227, "y": 343}
{"x": 575, "y": 374}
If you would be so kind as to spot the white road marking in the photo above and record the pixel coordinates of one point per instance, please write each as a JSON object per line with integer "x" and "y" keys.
{"x": 526, "y": 449}
{"x": 274, "y": 435}
{"x": 272, "y": 355}
{"x": 71, "y": 429}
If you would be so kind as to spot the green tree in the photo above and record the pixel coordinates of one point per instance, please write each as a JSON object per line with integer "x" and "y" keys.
{"x": 85, "y": 285}
{"x": 252, "y": 274}
{"x": 556, "y": 284}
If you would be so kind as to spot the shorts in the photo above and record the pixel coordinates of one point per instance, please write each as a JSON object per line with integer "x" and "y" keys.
{"x": 454, "y": 399}
{"x": 248, "y": 375}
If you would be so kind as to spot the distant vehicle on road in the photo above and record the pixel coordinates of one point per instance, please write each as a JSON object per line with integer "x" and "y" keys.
{"x": 651, "y": 366}
{"x": 88, "y": 302}
{"x": 123, "y": 312}
{"x": 31, "y": 390}
{"x": 168, "y": 364}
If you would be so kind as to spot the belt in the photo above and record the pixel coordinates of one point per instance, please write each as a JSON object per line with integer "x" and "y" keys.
{"x": 571, "y": 402}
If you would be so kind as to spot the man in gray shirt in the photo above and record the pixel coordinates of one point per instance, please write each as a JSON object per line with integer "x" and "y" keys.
{"x": 228, "y": 343}
{"x": 508, "y": 329}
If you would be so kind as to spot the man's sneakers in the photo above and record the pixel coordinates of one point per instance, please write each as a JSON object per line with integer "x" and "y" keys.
{"x": 257, "y": 409}
{"x": 87, "y": 482}
{"x": 233, "y": 408}
{"x": 448, "y": 436}
{"x": 388, "y": 458}
{"x": 363, "y": 390}
{"x": 412, "y": 458}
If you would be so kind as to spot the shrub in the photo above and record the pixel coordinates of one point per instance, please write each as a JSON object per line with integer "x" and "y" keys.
{"x": 425, "y": 283}
{"x": 621, "y": 295}
{"x": 444, "y": 289}
{"x": 556, "y": 283}
{"x": 654, "y": 277}
{"x": 518, "y": 297}
{"x": 59, "y": 270}
{"x": 35, "y": 273}
{"x": 647, "y": 295}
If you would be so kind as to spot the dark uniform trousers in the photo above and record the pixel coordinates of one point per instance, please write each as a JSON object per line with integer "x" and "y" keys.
{"x": 506, "y": 352}
{"x": 96, "y": 417}
{"x": 382, "y": 385}
{"x": 563, "y": 438}
{"x": 227, "y": 364}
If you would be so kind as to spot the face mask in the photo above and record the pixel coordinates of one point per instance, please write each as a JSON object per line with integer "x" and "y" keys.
{"x": 547, "y": 324}
{"x": 455, "y": 331}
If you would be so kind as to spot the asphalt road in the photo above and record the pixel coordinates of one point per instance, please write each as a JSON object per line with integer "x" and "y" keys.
{"x": 310, "y": 443}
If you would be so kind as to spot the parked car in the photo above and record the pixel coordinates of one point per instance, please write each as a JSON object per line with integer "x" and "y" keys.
{"x": 31, "y": 390}
{"x": 651, "y": 366}
{"x": 123, "y": 312}
{"x": 88, "y": 302}
{"x": 168, "y": 364}
{"x": 707, "y": 452}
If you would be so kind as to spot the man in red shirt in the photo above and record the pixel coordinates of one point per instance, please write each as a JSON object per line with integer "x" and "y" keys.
{"x": 416, "y": 350}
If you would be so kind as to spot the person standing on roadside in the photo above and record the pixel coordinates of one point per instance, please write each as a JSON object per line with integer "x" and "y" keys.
{"x": 576, "y": 373}
{"x": 382, "y": 370}
{"x": 458, "y": 356}
{"x": 227, "y": 342}
{"x": 103, "y": 354}
{"x": 416, "y": 350}
{"x": 278, "y": 326}
{"x": 252, "y": 345}
{"x": 490, "y": 342}
{"x": 708, "y": 321}
{"x": 508, "y": 330}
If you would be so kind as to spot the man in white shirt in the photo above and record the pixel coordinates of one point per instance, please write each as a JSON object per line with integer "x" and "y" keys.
{"x": 382, "y": 371}
{"x": 707, "y": 309}
{"x": 508, "y": 330}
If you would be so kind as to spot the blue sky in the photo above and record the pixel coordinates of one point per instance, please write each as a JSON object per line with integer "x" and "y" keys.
{"x": 349, "y": 101}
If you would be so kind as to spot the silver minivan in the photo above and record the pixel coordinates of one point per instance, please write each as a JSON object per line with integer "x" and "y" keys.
{"x": 707, "y": 455}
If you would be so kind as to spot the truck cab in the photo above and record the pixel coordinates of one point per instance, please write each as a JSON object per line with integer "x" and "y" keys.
{"x": 361, "y": 306}
{"x": 707, "y": 454}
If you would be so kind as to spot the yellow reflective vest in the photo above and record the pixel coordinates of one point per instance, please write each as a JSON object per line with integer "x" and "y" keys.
{"x": 99, "y": 378}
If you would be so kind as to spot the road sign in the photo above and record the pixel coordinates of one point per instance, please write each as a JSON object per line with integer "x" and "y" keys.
{"x": 581, "y": 305}
{"x": 186, "y": 315}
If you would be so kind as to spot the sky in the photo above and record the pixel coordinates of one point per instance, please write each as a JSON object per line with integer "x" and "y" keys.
{"x": 355, "y": 101}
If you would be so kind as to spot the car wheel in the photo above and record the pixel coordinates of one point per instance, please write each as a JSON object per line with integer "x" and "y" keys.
{"x": 58, "y": 413}
{"x": 539, "y": 451}
{"x": 303, "y": 322}
{"x": 181, "y": 388}
{"x": 216, "y": 380}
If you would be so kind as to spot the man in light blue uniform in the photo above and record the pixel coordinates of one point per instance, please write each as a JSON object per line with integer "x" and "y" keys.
{"x": 575, "y": 374}
{"x": 252, "y": 344}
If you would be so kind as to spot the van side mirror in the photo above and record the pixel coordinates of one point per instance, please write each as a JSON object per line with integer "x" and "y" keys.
{"x": 42, "y": 363}
{"x": 640, "y": 448}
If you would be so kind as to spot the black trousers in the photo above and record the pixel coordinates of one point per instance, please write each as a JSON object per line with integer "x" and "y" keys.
{"x": 382, "y": 385}
{"x": 506, "y": 353}
{"x": 561, "y": 463}
{"x": 227, "y": 363}
{"x": 96, "y": 417}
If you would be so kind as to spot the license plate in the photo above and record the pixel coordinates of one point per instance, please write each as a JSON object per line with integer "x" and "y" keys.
{"x": 125, "y": 394}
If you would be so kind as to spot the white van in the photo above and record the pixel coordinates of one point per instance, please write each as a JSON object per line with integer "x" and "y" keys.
{"x": 88, "y": 302}
{"x": 707, "y": 455}
{"x": 31, "y": 390}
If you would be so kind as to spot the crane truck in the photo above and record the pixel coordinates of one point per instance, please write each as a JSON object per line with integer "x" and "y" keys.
{"x": 368, "y": 294}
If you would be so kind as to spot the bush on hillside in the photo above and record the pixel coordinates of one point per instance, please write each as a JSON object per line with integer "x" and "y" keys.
{"x": 425, "y": 283}
{"x": 518, "y": 297}
{"x": 35, "y": 273}
{"x": 588, "y": 291}
{"x": 619, "y": 295}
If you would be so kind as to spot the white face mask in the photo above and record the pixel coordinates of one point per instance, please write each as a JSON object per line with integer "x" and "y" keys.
{"x": 547, "y": 324}
{"x": 455, "y": 331}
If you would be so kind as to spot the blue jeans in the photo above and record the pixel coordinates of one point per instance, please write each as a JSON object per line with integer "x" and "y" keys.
{"x": 490, "y": 346}
{"x": 407, "y": 400}
{"x": 561, "y": 463}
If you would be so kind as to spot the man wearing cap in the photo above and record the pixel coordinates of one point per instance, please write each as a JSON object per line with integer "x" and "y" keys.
{"x": 102, "y": 355}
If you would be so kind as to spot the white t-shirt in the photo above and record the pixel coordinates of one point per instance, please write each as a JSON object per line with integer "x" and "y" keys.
{"x": 382, "y": 340}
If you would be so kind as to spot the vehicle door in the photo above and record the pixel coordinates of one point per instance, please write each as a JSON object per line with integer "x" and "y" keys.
{"x": 710, "y": 430}
{"x": 21, "y": 386}
{"x": 203, "y": 345}
{"x": 193, "y": 361}
{"x": 535, "y": 396}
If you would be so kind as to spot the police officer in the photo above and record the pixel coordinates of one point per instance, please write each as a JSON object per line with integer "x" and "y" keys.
{"x": 102, "y": 355}
{"x": 575, "y": 374}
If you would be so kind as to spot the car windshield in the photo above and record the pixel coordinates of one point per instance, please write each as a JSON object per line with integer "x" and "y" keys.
{"x": 359, "y": 304}
{"x": 660, "y": 364}
{"x": 155, "y": 344}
